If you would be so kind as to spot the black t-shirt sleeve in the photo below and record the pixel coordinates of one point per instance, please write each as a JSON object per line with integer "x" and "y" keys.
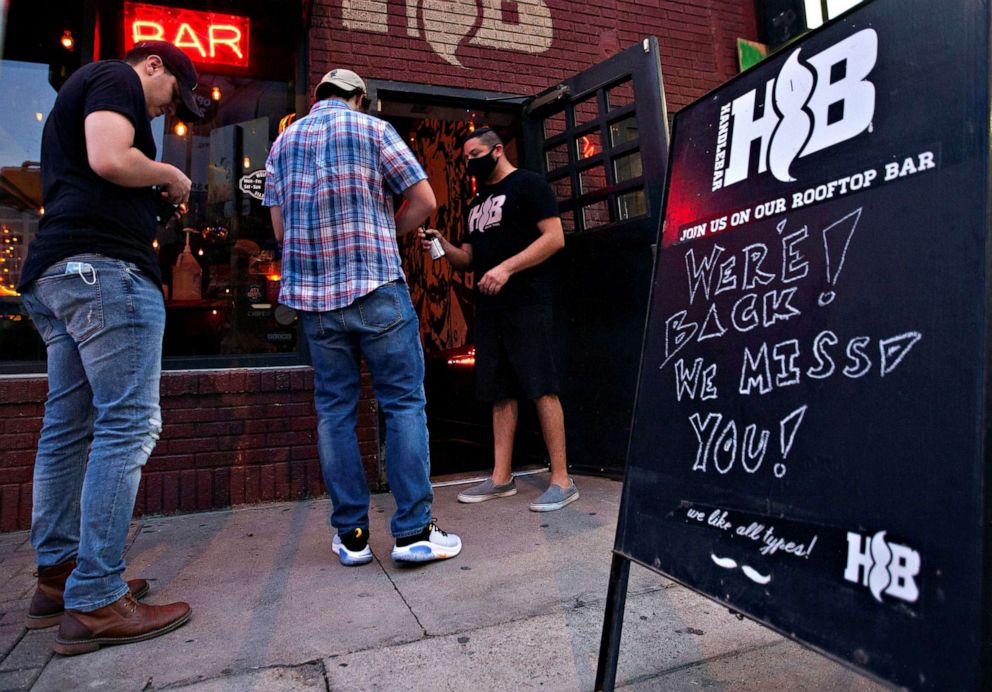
{"x": 110, "y": 89}
{"x": 539, "y": 200}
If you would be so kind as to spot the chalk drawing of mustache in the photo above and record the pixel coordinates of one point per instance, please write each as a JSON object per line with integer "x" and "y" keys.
{"x": 751, "y": 573}
{"x": 446, "y": 23}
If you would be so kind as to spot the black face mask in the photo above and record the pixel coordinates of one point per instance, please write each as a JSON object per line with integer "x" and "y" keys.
{"x": 482, "y": 167}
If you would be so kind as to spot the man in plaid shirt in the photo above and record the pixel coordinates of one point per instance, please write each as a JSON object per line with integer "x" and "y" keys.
{"x": 330, "y": 182}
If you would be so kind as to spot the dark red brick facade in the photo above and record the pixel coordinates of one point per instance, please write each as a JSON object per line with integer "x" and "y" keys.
{"x": 406, "y": 42}
{"x": 230, "y": 437}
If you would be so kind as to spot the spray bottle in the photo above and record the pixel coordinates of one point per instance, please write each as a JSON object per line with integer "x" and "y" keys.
{"x": 186, "y": 274}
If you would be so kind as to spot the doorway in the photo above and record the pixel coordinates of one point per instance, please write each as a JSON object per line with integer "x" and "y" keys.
{"x": 601, "y": 140}
{"x": 435, "y": 121}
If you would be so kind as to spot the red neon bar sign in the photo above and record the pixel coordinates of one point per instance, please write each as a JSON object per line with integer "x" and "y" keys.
{"x": 206, "y": 37}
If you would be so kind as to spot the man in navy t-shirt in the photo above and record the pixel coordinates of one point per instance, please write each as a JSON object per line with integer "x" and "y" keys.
{"x": 513, "y": 230}
{"x": 91, "y": 284}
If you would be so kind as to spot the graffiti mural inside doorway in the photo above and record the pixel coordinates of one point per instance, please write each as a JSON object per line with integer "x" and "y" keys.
{"x": 441, "y": 296}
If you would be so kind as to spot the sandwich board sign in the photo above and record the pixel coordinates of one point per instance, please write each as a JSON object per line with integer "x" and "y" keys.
{"x": 810, "y": 438}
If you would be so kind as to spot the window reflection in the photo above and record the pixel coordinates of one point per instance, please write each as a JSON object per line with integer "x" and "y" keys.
{"x": 22, "y": 120}
{"x": 232, "y": 307}
{"x": 623, "y": 131}
{"x": 221, "y": 295}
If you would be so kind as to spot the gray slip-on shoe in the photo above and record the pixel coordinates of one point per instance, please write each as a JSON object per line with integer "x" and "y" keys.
{"x": 488, "y": 491}
{"x": 555, "y": 497}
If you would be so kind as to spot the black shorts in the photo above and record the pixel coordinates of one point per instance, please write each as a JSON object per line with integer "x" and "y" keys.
{"x": 514, "y": 354}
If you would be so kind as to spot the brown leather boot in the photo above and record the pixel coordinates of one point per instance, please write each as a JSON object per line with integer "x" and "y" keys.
{"x": 48, "y": 604}
{"x": 122, "y": 622}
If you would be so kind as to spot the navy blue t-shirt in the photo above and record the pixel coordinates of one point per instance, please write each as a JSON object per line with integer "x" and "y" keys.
{"x": 85, "y": 213}
{"x": 502, "y": 221}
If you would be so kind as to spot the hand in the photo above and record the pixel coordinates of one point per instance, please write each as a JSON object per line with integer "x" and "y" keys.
{"x": 426, "y": 234}
{"x": 178, "y": 210}
{"x": 177, "y": 189}
{"x": 493, "y": 280}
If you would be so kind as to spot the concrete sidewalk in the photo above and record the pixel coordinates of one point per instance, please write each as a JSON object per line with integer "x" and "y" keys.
{"x": 520, "y": 608}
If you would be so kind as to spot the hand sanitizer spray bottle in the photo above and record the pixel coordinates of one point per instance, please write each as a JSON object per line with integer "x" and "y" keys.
{"x": 186, "y": 274}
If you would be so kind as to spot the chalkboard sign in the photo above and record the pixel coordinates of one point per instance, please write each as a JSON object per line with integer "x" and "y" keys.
{"x": 809, "y": 438}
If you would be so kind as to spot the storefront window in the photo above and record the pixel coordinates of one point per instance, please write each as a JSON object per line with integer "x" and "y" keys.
{"x": 21, "y": 123}
{"x": 220, "y": 263}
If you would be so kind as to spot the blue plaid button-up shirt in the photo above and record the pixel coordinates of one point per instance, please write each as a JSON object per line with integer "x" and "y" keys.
{"x": 333, "y": 173}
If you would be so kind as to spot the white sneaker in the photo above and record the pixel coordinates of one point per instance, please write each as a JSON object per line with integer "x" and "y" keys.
{"x": 361, "y": 554}
{"x": 430, "y": 544}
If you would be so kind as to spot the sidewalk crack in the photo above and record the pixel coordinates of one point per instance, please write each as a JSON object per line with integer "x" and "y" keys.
{"x": 323, "y": 673}
{"x": 402, "y": 597}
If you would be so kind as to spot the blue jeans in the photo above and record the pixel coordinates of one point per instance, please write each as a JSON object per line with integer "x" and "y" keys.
{"x": 383, "y": 326}
{"x": 102, "y": 322}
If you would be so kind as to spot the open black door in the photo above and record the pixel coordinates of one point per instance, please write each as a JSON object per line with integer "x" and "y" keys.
{"x": 601, "y": 139}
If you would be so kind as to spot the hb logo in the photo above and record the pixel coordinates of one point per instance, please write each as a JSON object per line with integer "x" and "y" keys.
{"x": 804, "y": 111}
{"x": 523, "y": 26}
{"x": 487, "y": 214}
{"x": 883, "y": 567}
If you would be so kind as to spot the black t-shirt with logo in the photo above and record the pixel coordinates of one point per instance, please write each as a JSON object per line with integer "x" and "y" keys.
{"x": 85, "y": 213}
{"x": 502, "y": 221}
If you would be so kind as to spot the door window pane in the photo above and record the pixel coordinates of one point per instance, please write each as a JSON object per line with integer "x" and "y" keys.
{"x": 562, "y": 189}
{"x": 556, "y": 157}
{"x": 568, "y": 221}
{"x": 623, "y": 131}
{"x": 627, "y": 167}
{"x": 631, "y": 205}
{"x": 592, "y": 180}
{"x": 620, "y": 95}
{"x": 596, "y": 214}
{"x": 585, "y": 111}
{"x": 588, "y": 145}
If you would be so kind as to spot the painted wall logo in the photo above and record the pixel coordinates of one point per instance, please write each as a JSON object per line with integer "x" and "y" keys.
{"x": 807, "y": 108}
{"x": 523, "y": 26}
{"x": 882, "y": 566}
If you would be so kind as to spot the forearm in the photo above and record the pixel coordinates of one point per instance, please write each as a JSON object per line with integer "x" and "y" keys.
{"x": 458, "y": 258}
{"x": 131, "y": 168}
{"x": 534, "y": 254}
{"x": 418, "y": 205}
{"x": 278, "y": 228}
{"x": 112, "y": 155}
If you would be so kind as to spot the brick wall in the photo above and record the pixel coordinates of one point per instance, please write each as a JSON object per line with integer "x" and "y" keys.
{"x": 525, "y": 46}
{"x": 230, "y": 437}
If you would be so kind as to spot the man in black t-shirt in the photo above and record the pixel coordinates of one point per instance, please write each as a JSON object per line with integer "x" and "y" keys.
{"x": 513, "y": 230}
{"x": 91, "y": 284}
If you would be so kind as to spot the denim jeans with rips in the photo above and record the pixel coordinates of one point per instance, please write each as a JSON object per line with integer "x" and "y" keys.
{"x": 102, "y": 321}
{"x": 383, "y": 327}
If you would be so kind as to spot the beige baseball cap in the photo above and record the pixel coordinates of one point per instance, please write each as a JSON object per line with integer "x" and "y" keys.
{"x": 342, "y": 79}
